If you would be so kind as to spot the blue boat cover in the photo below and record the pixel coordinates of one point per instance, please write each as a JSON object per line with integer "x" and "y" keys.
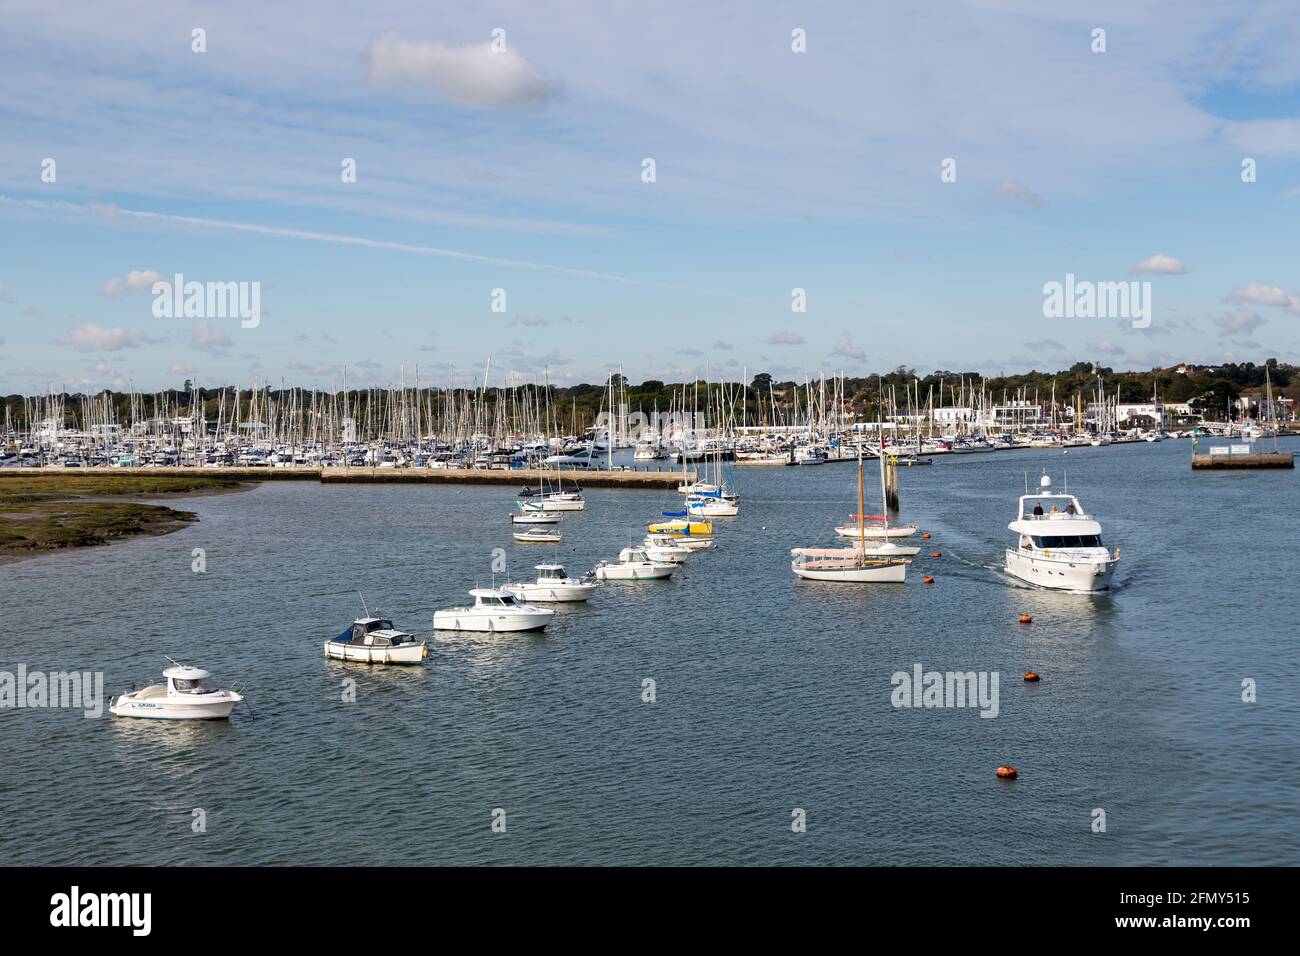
{"x": 673, "y": 514}
{"x": 344, "y": 637}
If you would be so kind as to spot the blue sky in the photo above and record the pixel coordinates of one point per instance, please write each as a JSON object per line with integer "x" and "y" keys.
{"x": 522, "y": 171}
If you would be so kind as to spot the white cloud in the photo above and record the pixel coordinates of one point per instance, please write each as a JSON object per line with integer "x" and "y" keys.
{"x": 207, "y": 337}
{"x": 1106, "y": 348}
{"x": 785, "y": 338}
{"x": 1011, "y": 193}
{"x": 1160, "y": 264}
{"x": 471, "y": 75}
{"x": 131, "y": 282}
{"x": 846, "y": 349}
{"x": 1239, "y": 322}
{"x": 95, "y": 338}
{"x": 1265, "y": 295}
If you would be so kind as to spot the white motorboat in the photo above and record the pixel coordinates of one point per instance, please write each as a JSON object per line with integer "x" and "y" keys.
{"x": 553, "y": 584}
{"x": 634, "y": 565}
{"x": 809, "y": 455}
{"x": 1059, "y": 546}
{"x": 494, "y": 610}
{"x": 186, "y": 695}
{"x": 537, "y": 517}
{"x": 664, "y": 549}
{"x": 374, "y": 640}
{"x": 538, "y": 536}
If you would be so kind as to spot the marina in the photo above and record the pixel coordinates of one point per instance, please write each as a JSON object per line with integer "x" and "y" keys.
{"x": 549, "y": 722}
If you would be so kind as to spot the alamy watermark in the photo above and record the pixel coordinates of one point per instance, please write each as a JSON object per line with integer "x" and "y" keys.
{"x": 208, "y": 300}
{"x": 922, "y": 688}
{"x": 80, "y": 690}
{"x": 1084, "y": 299}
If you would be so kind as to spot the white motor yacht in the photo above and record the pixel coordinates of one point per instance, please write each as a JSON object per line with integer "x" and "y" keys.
{"x": 494, "y": 610}
{"x": 1058, "y": 543}
{"x": 553, "y": 584}
{"x": 537, "y": 535}
{"x": 186, "y": 695}
{"x": 662, "y": 548}
{"x": 634, "y": 565}
{"x": 374, "y": 640}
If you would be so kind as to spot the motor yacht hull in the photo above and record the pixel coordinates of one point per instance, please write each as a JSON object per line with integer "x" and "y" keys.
{"x": 552, "y": 593}
{"x": 633, "y": 572}
{"x": 1061, "y": 574}
{"x": 470, "y": 619}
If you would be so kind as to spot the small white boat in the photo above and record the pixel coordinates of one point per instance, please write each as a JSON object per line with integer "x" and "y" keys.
{"x": 697, "y": 488}
{"x": 494, "y": 610}
{"x": 538, "y": 536}
{"x": 560, "y": 502}
{"x": 536, "y": 517}
{"x": 664, "y": 549}
{"x": 888, "y": 549}
{"x": 374, "y": 640}
{"x": 1059, "y": 547}
{"x": 634, "y": 565}
{"x": 185, "y": 696}
{"x": 553, "y": 584}
{"x": 712, "y": 506}
{"x": 876, "y": 528}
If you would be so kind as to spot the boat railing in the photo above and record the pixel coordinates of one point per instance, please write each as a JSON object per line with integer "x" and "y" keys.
{"x": 1056, "y": 516}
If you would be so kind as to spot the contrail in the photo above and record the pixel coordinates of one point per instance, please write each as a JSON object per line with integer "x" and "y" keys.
{"x": 285, "y": 233}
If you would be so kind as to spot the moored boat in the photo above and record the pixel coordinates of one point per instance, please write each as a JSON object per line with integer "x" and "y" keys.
{"x": 374, "y": 640}
{"x": 186, "y": 695}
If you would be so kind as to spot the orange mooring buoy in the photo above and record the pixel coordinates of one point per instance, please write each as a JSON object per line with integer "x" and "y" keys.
{"x": 1026, "y": 619}
{"x": 927, "y": 580}
{"x": 1007, "y": 773}
{"x": 925, "y": 535}
{"x": 936, "y": 554}
{"x": 1031, "y": 677}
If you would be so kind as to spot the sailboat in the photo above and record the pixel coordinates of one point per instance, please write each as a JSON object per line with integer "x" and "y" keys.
{"x": 853, "y": 565}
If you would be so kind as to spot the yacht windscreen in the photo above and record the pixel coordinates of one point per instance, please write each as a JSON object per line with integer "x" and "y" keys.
{"x": 1059, "y": 541}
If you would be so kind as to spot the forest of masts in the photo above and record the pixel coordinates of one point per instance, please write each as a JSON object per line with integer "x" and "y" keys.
{"x": 486, "y": 415}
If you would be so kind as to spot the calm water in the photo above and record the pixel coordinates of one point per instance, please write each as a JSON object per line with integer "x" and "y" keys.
{"x": 771, "y": 694}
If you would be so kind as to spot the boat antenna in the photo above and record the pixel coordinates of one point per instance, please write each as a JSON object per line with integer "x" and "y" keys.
{"x": 363, "y": 604}
{"x": 176, "y": 662}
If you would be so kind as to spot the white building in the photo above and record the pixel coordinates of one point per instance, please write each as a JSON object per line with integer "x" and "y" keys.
{"x": 1155, "y": 411}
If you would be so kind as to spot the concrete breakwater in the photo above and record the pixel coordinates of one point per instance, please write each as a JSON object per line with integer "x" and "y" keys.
{"x": 651, "y": 479}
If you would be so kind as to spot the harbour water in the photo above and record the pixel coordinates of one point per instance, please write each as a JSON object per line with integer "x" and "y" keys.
{"x": 771, "y": 694}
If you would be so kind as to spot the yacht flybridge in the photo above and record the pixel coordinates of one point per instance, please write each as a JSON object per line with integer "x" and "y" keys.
{"x": 1058, "y": 543}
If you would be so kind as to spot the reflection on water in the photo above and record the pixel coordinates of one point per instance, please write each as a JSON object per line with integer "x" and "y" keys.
{"x": 771, "y": 693}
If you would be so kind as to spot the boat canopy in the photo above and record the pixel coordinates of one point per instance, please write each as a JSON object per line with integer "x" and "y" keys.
{"x": 181, "y": 672}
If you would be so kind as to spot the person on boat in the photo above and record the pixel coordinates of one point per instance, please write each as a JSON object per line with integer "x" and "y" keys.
{"x": 1069, "y": 509}
{"x": 1038, "y": 509}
